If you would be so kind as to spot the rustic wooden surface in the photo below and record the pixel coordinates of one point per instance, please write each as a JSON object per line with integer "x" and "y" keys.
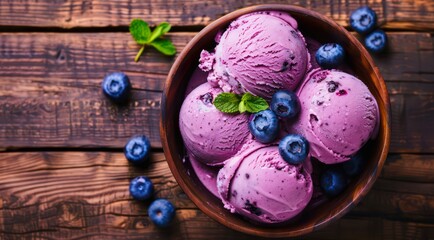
{"x": 406, "y": 14}
{"x": 62, "y": 172}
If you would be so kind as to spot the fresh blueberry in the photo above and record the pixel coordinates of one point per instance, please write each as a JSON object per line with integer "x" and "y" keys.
{"x": 363, "y": 20}
{"x": 376, "y": 41}
{"x": 138, "y": 150}
{"x": 141, "y": 188}
{"x": 161, "y": 212}
{"x": 354, "y": 166}
{"x": 294, "y": 148}
{"x": 285, "y": 104}
{"x": 330, "y": 55}
{"x": 116, "y": 86}
{"x": 332, "y": 182}
{"x": 264, "y": 126}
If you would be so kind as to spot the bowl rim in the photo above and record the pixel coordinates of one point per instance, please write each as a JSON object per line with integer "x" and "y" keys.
{"x": 381, "y": 88}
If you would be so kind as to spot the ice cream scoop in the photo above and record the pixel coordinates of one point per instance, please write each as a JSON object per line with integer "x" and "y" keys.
{"x": 210, "y": 135}
{"x": 258, "y": 184}
{"x": 258, "y": 53}
{"x": 338, "y": 115}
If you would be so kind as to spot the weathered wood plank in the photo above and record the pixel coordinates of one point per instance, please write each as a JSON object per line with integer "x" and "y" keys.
{"x": 409, "y": 167}
{"x": 412, "y": 109}
{"x": 194, "y": 224}
{"x": 406, "y": 14}
{"x": 50, "y": 92}
{"x": 351, "y": 227}
{"x": 78, "y": 194}
{"x": 409, "y": 57}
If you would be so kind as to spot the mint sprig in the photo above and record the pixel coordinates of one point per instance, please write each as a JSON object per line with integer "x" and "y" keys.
{"x": 142, "y": 34}
{"x": 232, "y": 103}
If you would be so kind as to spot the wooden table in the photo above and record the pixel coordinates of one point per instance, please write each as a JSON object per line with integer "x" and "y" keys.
{"x": 62, "y": 170}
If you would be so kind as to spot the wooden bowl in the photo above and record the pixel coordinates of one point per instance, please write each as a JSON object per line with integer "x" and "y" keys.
{"x": 318, "y": 27}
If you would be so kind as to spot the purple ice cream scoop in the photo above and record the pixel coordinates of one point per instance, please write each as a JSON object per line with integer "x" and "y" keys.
{"x": 259, "y": 185}
{"x": 210, "y": 135}
{"x": 338, "y": 115}
{"x": 258, "y": 53}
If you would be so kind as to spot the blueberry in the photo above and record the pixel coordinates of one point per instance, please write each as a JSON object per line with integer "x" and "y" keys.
{"x": 332, "y": 182}
{"x": 376, "y": 41}
{"x": 363, "y": 20}
{"x": 116, "y": 86}
{"x": 161, "y": 212}
{"x": 330, "y": 55}
{"x": 264, "y": 126}
{"x": 354, "y": 166}
{"x": 285, "y": 104}
{"x": 138, "y": 150}
{"x": 294, "y": 148}
{"x": 141, "y": 188}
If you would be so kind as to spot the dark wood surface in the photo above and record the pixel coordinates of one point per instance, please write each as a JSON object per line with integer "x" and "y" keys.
{"x": 62, "y": 171}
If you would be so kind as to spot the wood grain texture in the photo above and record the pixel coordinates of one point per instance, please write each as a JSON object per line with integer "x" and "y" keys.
{"x": 50, "y": 92}
{"x": 50, "y": 97}
{"x": 85, "y": 194}
{"x": 406, "y": 14}
{"x": 409, "y": 167}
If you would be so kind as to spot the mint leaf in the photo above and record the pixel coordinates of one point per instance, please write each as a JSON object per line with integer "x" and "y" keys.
{"x": 165, "y": 46}
{"x": 252, "y": 104}
{"x": 227, "y": 102}
{"x": 140, "y": 31}
{"x": 231, "y": 103}
{"x": 242, "y": 106}
{"x": 159, "y": 31}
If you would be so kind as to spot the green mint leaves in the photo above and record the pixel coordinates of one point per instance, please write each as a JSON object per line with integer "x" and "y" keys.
{"x": 140, "y": 31}
{"x": 165, "y": 46}
{"x": 159, "y": 31}
{"x": 227, "y": 102}
{"x": 232, "y": 103}
{"x": 142, "y": 34}
{"x": 252, "y": 104}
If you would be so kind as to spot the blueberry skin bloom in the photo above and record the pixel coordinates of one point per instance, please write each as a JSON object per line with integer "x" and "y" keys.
{"x": 264, "y": 126}
{"x": 285, "y": 104}
{"x": 376, "y": 41}
{"x": 363, "y": 20}
{"x": 330, "y": 55}
{"x": 116, "y": 86}
{"x": 332, "y": 182}
{"x": 294, "y": 148}
{"x": 161, "y": 212}
{"x": 141, "y": 188}
{"x": 138, "y": 150}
